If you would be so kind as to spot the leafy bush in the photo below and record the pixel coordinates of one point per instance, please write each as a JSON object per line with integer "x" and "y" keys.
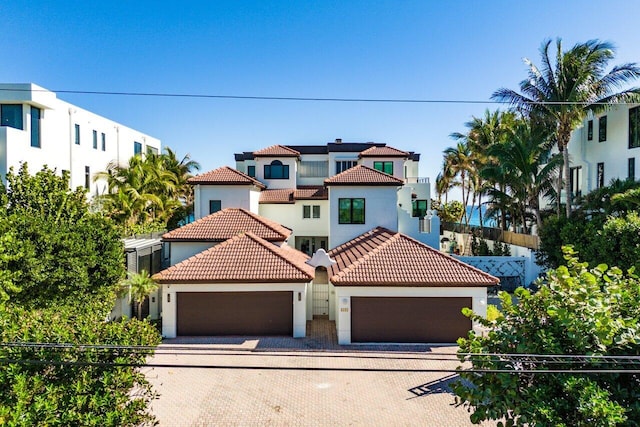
{"x": 580, "y": 311}
{"x": 76, "y": 385}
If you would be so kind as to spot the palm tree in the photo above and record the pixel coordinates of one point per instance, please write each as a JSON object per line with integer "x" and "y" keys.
{"x": 565, "y": 89}
{"x": 139, "y": 286}
{"x": 527, "y": 167}
{"x": 460, "y": 161}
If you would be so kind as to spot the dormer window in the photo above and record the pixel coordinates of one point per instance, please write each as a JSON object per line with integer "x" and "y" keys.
{"x": 276, "y": 170}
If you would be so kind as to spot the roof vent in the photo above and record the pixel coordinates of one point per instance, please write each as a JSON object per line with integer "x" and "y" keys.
{"x": 338, "y": 140}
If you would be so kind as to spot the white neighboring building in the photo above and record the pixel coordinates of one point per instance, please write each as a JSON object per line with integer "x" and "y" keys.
{"x": 605, "y": 147}
{"x": 38, "y": 128}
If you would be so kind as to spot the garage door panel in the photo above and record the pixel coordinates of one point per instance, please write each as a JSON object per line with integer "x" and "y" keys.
{"x": 235, "y": 313}
{"x": 409, "y": 319}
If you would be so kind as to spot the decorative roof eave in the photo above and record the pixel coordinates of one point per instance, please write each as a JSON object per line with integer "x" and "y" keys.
{"x": 232, "y": 281}
{"x": 225, "y": 175}
{"x": 384, "y": 152}
{"x": 337, "y": 282}
{"x": 365, "y": 184}
{"x": 361, "y": 175}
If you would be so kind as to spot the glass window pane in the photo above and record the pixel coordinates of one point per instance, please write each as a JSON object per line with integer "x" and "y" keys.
{"x": 378, "y": 166}
{"x": 137, "y": 148}
{"x": 95, "y": 139}
{"x": 35, "y": 127}
{"x": 215, "y": 206}
{"x": 357, "y": 209}
{"x": 344, "y": 211}
{"x": 11, "y": 116}
{"x": 251, "y": 171}
{"x": 316, "y": 211}
{"x": 306, "y": 211}
{"x": 77, "y": 127}
{"x": 602, "y": 129}
{"x": 388, "y": 168}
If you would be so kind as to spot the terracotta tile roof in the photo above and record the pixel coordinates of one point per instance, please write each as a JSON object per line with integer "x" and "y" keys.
{"x": 277, "y": 151}
{"x": 225, "y": 176}
{"x": 383, "y": 152}
{"x": 311, "y": 192}
{"x": 283, "y": 195}
{"x": 245, "y": 258}
{"x": 363, "y": 175}
{"x": 382, "y": 257}
{"x": 290, "y": 195}
{"x": 227, "y": 223}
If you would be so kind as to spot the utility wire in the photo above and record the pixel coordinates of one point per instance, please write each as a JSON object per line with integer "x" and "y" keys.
{"x": 306, "y": 99}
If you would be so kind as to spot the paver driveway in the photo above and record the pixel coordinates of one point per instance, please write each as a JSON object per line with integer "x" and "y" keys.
{"x": 262, "y": 381}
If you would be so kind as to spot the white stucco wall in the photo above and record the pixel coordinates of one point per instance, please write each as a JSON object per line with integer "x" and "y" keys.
{"x": 290, "y": 215}
{"x": 231, "y": 196}
{"x": 398, "y": 164}
{"x": 57, "y": 142}
{"x": 179, "y": 251}
{"x": 292, "y": 162}
{"x": 380, "y": 210}
{"x": 338, "y": 157}
{"x": 169, "y": 299}
{"x": 614, "y": 152}
{"x": 343, "y": 296}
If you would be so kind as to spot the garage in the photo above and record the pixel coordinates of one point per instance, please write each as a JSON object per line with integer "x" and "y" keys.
{"x": 409, "y": 319}
{"x": 235, "y": 313}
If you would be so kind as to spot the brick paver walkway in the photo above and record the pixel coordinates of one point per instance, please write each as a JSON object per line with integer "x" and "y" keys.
{"x": 281, "y": 381}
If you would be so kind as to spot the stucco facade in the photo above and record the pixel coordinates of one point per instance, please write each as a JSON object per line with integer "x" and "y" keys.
{"x": 69, "y": 138}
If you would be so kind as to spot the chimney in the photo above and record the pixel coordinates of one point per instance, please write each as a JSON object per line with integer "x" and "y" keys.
{"x": 338, "y": 140}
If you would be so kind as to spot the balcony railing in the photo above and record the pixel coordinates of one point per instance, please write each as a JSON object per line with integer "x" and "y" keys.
{"x": 417, "y": 180}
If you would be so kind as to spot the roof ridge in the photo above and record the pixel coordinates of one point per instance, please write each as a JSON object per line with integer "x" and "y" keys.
{"x": 192, "y": 224}
{"x": 284, "y": 147}
{"x": 358, "y": 167}
{"x": 275, "y": 250}
{"x": 368, "y": 255}
{"x": 269, "y": 223}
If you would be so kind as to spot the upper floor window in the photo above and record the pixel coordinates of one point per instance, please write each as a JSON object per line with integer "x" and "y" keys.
{"x": 351, "y": 211}
{"x": 602, "y": 129}
{"x": 600, "y": 175}
{"x": 309, "y": 210}
{"x": 386, "y": 167}
{"x": 152, "y": 150}
{"x": 343, "y": 165}
{"x": 634, "y": 127}
{"x": 137, "y": 148}
{"x": 215, "y": 206}
{"x": 631, "y": 169}
{"x": 276, "y": 170}
{"x": 87, "y": 177}
{"x": 104, "y": 142}
{"x": 11, "y": 116}
{"x": 251, "y": 171}
{"x": 419, "y": 208}
{"x": 77, "y": 134}
{"x": 35, "y": 126}
{"x": 590, "y": 130}
{"x": 314, "y": 169}
{"x": 575, "y": 181}
{"x": 95, "y": 139}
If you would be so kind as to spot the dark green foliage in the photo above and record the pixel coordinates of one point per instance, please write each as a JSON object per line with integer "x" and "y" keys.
{"x": 448, "y": 212}
{"x": 69, "y": 394}
{"x": 579, "y": 311}
{"x": 59, "y": 271}
{"x": 53, "y": 249}
{"x": 605, "y": 229}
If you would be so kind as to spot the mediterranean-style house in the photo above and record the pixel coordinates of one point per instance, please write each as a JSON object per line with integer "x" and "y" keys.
{"x": 342, "y": 230}
{"x": 38, "y": 128}
{"x": 605, "y": 147}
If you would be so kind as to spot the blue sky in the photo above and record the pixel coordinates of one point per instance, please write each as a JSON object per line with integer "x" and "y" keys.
{"x": 449, "y": 50}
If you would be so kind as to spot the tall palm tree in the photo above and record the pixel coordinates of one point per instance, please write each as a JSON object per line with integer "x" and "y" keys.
{"x": 565, "y": 89}
{"x": 460, "y": 161}
{"x": 528, "y": 168}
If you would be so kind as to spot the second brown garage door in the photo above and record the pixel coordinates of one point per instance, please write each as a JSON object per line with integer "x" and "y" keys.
{"x": 235, "y": 313}
{"x": 408, "y": 320}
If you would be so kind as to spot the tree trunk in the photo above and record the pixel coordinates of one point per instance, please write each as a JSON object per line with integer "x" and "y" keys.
{"x": 567, "y": 181}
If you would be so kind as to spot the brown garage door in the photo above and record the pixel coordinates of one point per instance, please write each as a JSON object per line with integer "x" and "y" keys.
{"x": 414, "y": 320}
{"x": 235, "y": 313}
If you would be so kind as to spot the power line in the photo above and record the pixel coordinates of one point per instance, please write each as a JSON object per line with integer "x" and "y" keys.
{"x": 305, "y": 99}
